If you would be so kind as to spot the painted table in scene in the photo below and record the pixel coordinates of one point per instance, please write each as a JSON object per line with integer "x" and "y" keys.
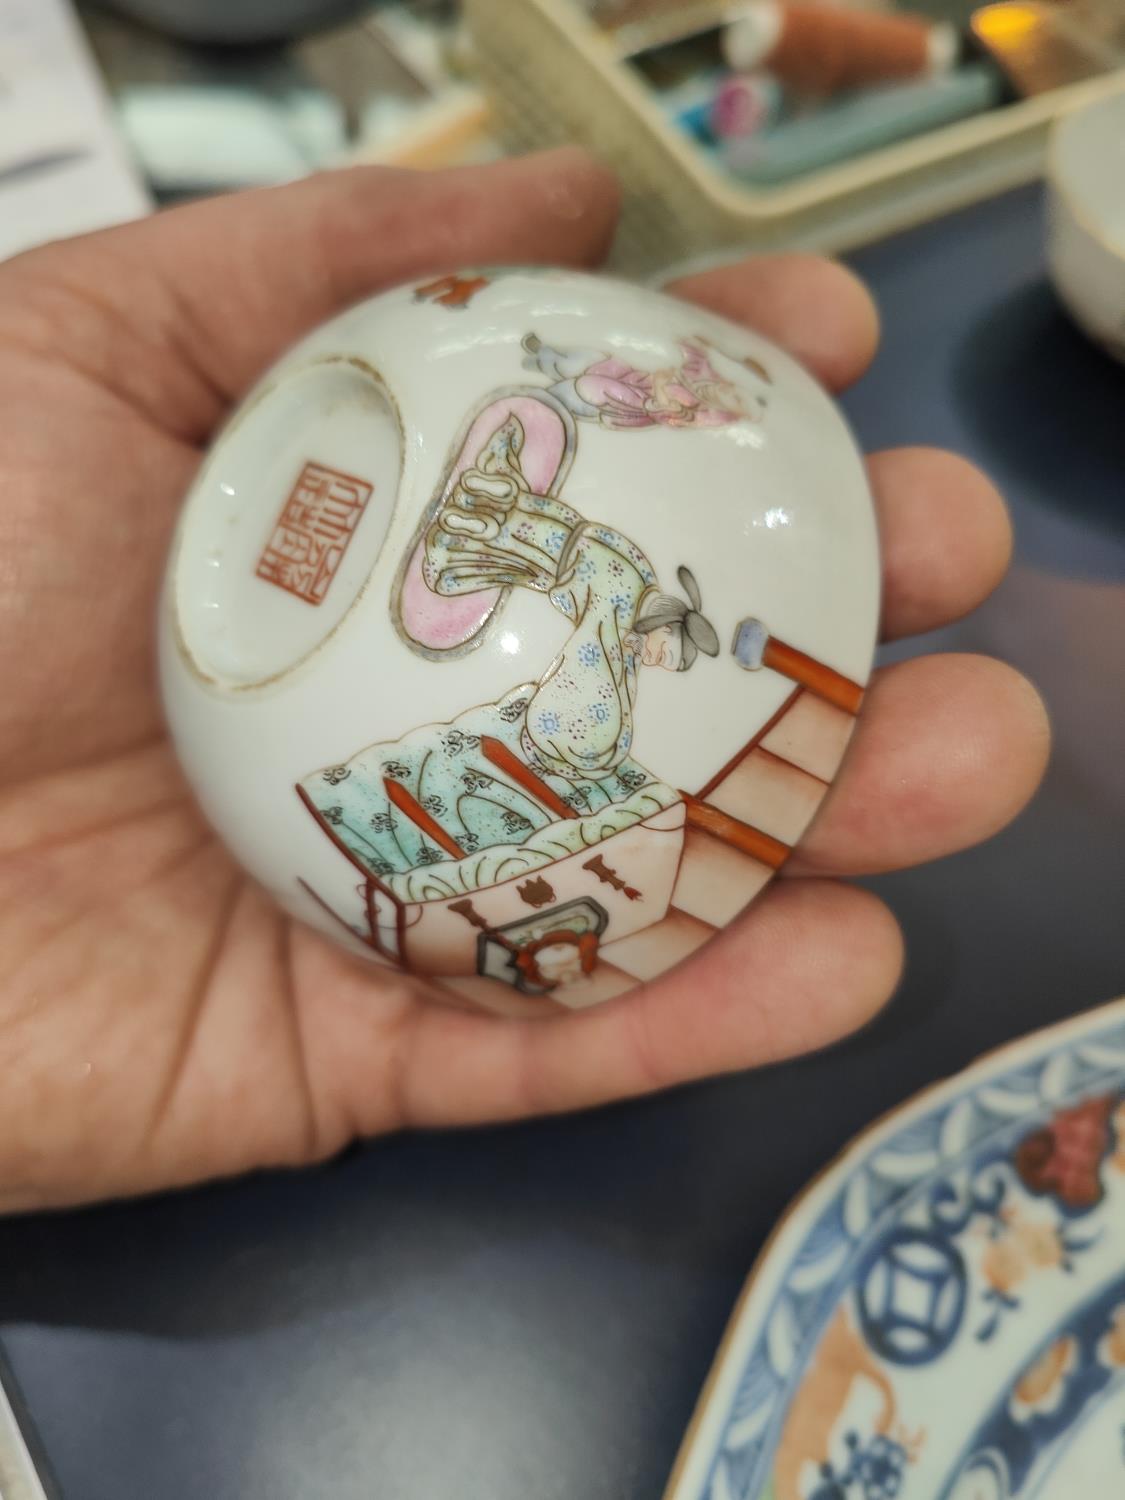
{"x": 533, "y": 1311}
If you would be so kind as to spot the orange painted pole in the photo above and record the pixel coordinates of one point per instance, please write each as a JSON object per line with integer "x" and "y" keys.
{"x": 760, "y": 846}
{"x": 826, "y": 683}
{"x": 503, "y": 759}
{"x": 407, "y": 803}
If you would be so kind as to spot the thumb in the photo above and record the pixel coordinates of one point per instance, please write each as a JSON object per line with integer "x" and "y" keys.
{"x": 225, "y": 285}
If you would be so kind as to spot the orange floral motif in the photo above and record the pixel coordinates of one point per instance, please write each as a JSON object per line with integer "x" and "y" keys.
{"x": 1111, "y": 1349}
{"x": 1021, "y": 1248}
{"x": 1039, "y": 1390}
{"x": 1064, "y": 1157}
{"x": 1117, "y": 1160}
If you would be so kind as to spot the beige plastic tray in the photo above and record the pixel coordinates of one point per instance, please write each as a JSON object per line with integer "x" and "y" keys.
{"x": 553, "y": 76}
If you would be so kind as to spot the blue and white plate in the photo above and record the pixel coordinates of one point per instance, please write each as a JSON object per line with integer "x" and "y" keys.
{"x": 941, "y": 1316}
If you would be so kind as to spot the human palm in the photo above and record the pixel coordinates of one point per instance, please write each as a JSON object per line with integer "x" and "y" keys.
{"x": 160, "y": 1020}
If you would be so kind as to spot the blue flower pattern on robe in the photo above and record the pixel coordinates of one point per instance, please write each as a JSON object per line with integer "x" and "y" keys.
{"x": 493, "y": 532}
{"x": 574, "y": 728}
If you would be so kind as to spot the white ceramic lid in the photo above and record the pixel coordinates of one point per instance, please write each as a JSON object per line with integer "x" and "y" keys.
{"x": 516, "y": 626}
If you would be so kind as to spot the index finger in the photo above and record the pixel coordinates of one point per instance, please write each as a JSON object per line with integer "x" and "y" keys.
{"x": 815, "y": 308}
{"x": 217, "y": 289}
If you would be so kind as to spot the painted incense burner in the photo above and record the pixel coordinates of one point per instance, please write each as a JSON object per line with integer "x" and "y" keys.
{"x": 515, "y": 627}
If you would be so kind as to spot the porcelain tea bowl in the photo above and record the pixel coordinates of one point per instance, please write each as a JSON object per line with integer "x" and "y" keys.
{"x": 515, "y": 626}
{"x": 1086, "y": 219}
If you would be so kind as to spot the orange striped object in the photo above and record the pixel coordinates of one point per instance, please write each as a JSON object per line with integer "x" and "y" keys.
{"x": 824, "y": 48}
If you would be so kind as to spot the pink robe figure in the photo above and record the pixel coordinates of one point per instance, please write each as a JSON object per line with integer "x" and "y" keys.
{"x": 607, "y": 389}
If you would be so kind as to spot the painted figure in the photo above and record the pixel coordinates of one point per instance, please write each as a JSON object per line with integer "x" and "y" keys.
{"x": 598, "y": 387}
{"x": 449, "y": 802}
{"x": 494, "y": 532}
{"x": 519, "y": 839}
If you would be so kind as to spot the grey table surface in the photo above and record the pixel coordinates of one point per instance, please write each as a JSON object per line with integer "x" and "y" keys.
{"x": 531, "y": 1311}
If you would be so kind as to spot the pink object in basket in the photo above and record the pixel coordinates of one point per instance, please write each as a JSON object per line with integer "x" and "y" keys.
{"x": 742, "y": 106}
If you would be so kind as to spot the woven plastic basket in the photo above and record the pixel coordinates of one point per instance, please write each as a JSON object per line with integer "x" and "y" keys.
{"x": 553, "y": 76}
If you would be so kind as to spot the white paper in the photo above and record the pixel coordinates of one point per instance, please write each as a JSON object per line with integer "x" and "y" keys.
{"x": 63, "y": 168}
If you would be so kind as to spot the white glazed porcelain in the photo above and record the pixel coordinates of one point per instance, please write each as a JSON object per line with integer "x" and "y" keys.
{"x": 515, "y": 627}
{"x": 941, "y": 1315}
{"x": 1086, "y": 219}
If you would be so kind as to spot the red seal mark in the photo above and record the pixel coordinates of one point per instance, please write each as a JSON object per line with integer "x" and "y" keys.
{"x": 313, "y": 530}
